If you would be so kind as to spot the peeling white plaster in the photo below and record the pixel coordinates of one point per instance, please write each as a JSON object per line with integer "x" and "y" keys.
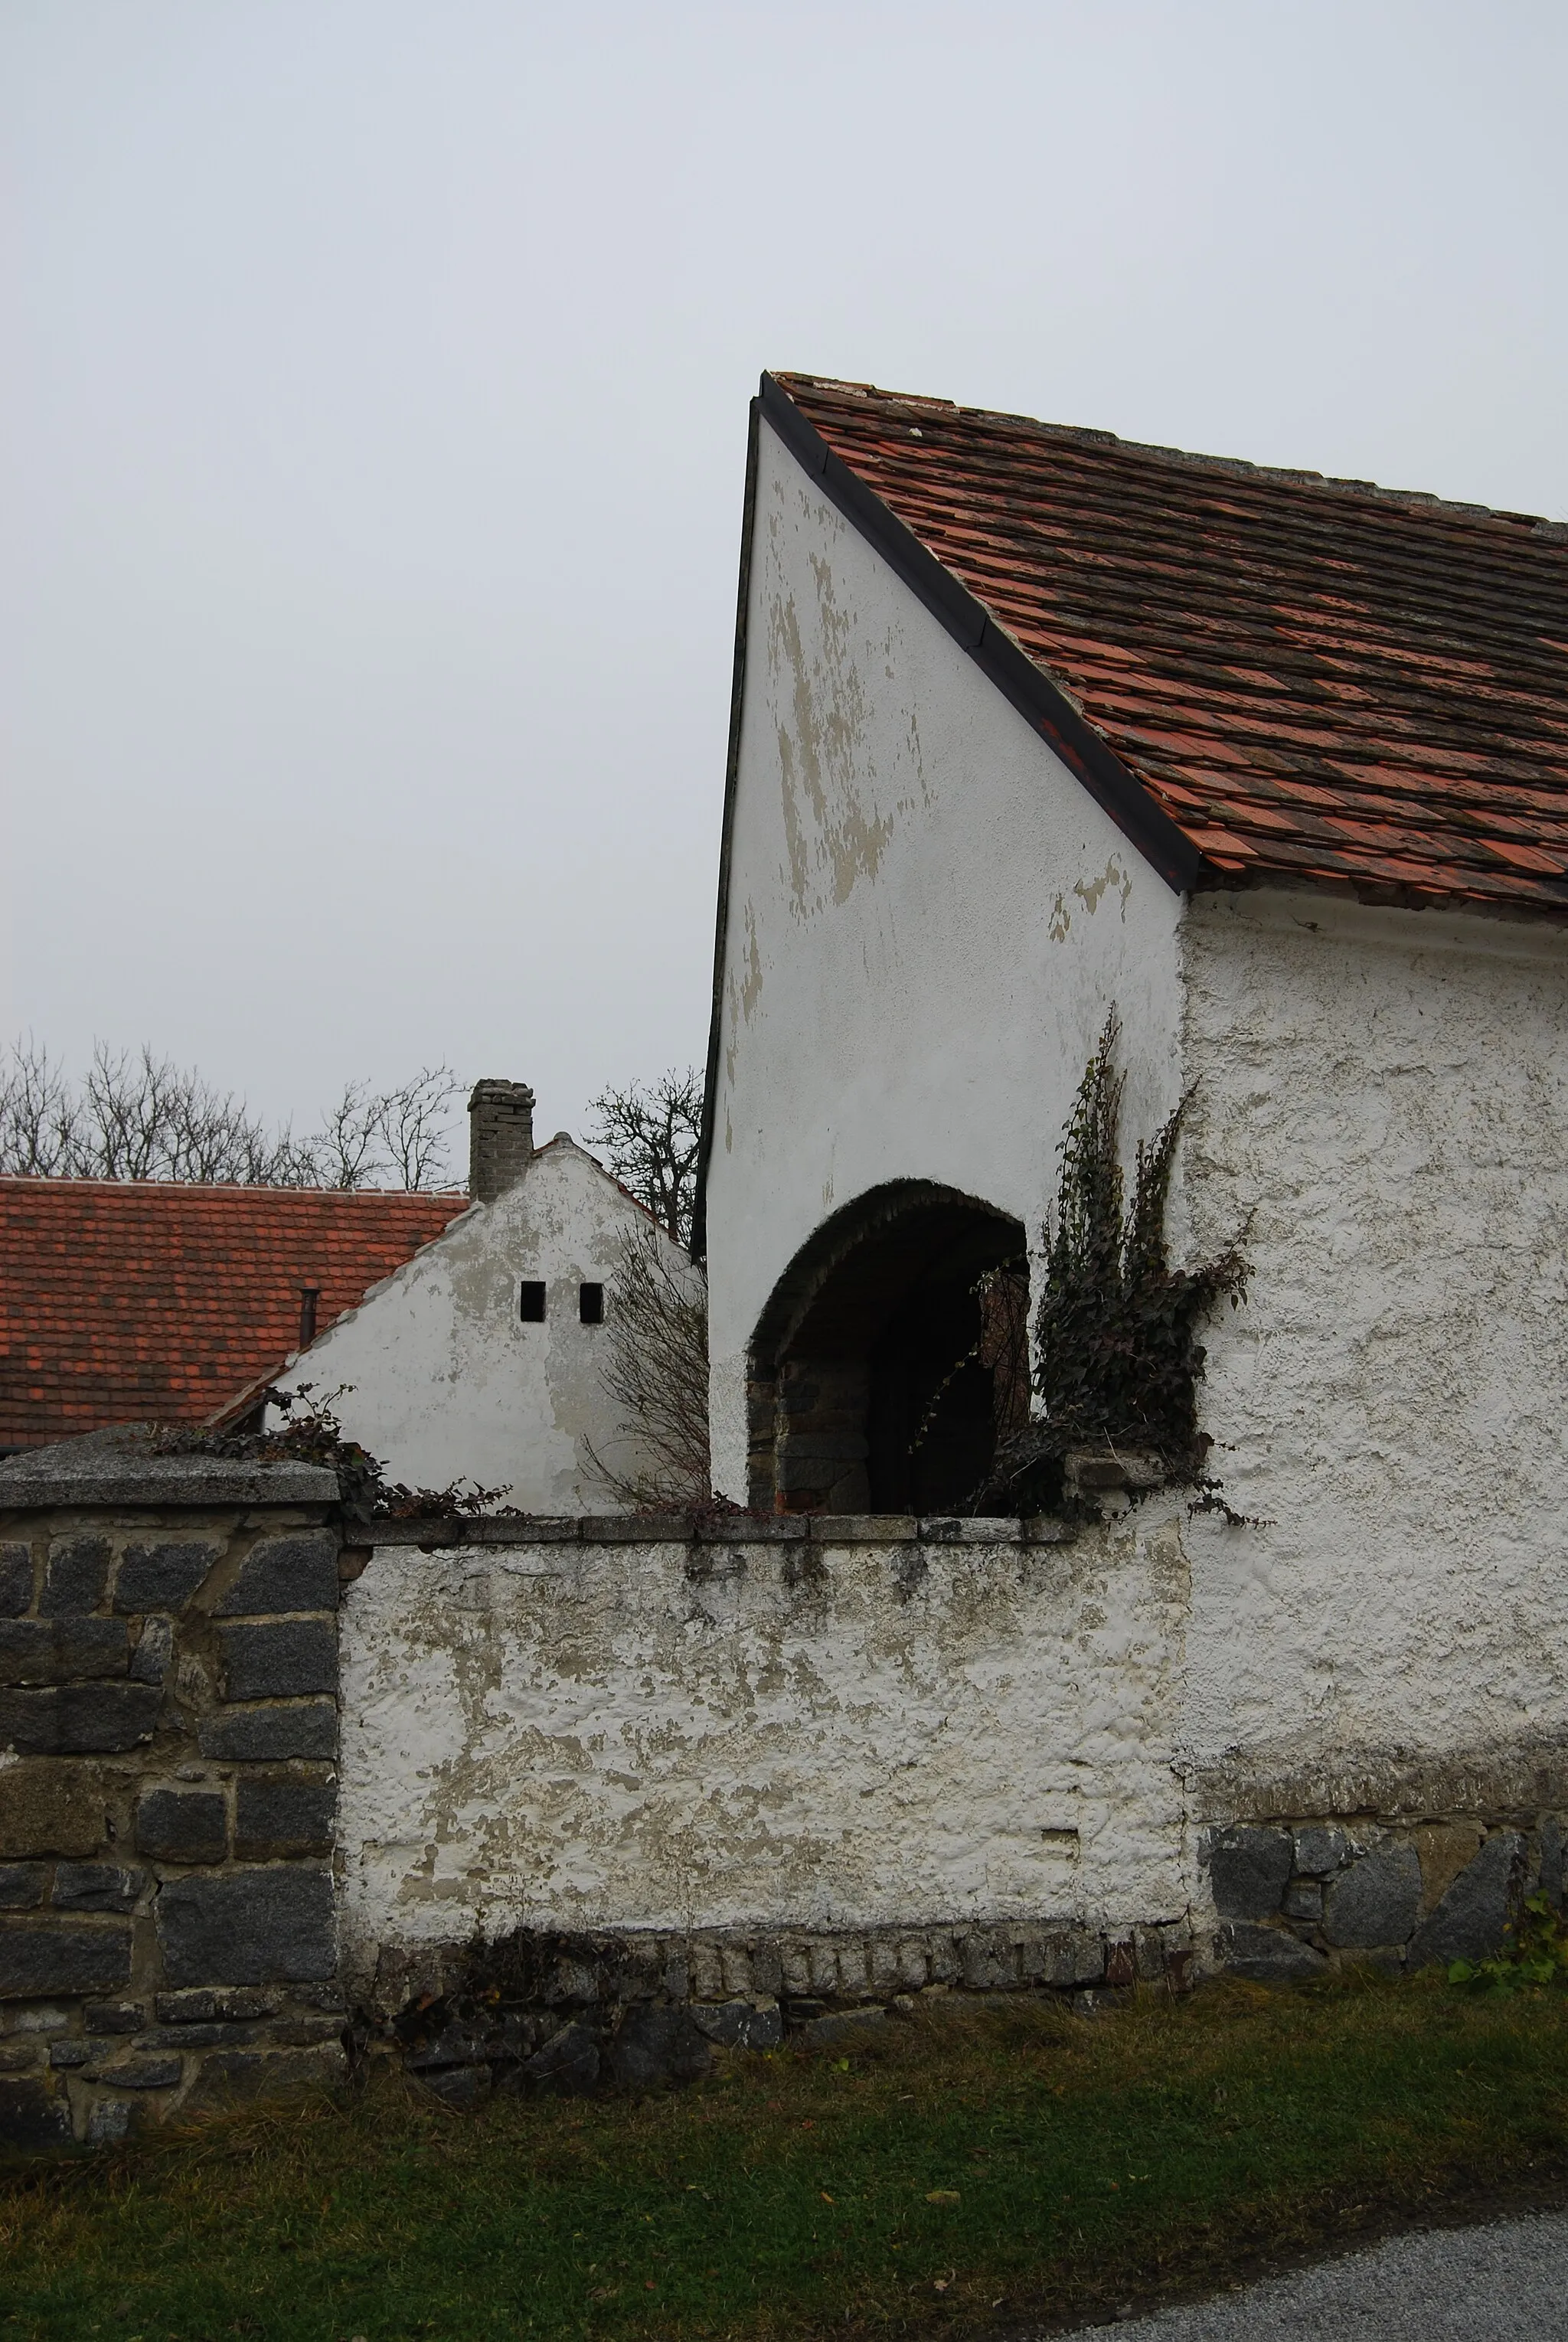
{"x": 1381, "y": 1103}
{"x": 573, "y": 1736}
{"x": 927, "y": 918}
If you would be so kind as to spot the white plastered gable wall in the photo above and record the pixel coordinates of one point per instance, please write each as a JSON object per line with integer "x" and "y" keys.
{"x": 927, "y": 917}
{"x": 444, "y": 1379}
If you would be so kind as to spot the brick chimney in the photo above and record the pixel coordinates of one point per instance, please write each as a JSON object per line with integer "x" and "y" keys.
{"x": 500, "y": 1137}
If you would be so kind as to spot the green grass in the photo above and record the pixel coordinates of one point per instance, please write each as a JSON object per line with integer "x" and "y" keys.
{"x": 971, "y": 2169}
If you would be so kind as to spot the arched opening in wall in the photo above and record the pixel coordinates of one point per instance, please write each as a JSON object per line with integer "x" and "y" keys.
{"x": 892, "y": 1356}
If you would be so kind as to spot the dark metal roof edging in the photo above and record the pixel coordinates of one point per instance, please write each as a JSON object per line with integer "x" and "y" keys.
{"x": 731, "y": 768}
{"x": 1043, "y": 707}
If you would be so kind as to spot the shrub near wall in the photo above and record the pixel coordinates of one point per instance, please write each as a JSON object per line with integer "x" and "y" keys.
{"x": 168, "y": 1743}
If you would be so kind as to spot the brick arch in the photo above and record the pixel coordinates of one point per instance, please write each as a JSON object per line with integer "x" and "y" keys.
{"x": 870, "y": 1312}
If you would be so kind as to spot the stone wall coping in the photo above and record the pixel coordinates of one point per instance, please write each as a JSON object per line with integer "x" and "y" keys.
{"x": 743, "y": 1529}
{"x": 109, "y": 1470}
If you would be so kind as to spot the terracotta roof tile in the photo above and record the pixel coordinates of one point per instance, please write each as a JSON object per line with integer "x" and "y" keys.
{"x": 121, "y": 1300}
{"x": 1315, "y": 679}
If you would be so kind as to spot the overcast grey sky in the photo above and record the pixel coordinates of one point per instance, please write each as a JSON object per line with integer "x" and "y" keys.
{"x": 374, "y": 420}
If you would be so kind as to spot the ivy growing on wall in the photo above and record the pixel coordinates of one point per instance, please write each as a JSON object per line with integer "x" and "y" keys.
{"x": 1117, "y": 1355}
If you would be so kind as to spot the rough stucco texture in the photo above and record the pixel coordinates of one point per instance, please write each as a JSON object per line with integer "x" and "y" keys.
{"x": 1380, "y": 1099}
{"x": 443, "y": 1379}
{"x": 927, "y": 920}
{"x": 582, "y": 1735}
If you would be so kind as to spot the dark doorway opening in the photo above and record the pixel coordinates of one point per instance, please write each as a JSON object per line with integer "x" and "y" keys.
{"x": 890, "y": 1357}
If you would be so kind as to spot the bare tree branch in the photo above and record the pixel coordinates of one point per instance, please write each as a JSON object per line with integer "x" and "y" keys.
{"x": 654, "y": 1365}
{"x": 649, "y": 1134}
{"x": 143, "y": 1118}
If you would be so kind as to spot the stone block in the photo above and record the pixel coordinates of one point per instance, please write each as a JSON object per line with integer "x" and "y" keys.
{"x": 1267, "y": 1954}
{"x": 74, "y": 1576}
{"x": 739, "y": 2024}
{"x": 78, "y": 1719}
{"x": 65, "y": 2055}
{"x": 51, "y": 1809}
{"x": 911, "y": 1962}
{"x": 767, "y": 1970}
{"x": 108, "y": 2121}
{"x": 207, "y": 2037}
{"x": 942, "y": 1952}
{"x": 1248, "y": 1868}
{"x": 652, "y": 2045}
{"x": 306, "y": 1727}
{"x": 139, "y": 2073}
{"x": 41, "y": 1956}
{"x": 286, "y": 1659}
{"x": 15, "y": 1578}
{"x": 707, "y": 1976}
{"x": 463, "y": 2089}
{"x": 22, "y": 1885}
{"x": 297, "y": 2031}
{"x": 989, "y": 1963}
{"x": 248, "y": 1926}
{"x": 881, "y": 1963}
{"x": 161, "y": 1577}
{"x": 154, "y": 1651}
{"x": 182, "y": 1825}
{"x": 1445, "y": 1849}
{"x": 236, "y": 2077}
{"x": 1374, "y": 1901}
{"x": 1551, "y": 1876}
{"x": 295, "y": 1572}
{"x": 566, "y": 2067}
{"x": 736, "y": 1970}
{"x": 33, "y": 2114}
{"x": 114, "y": 2017}
{"x": 1303, "y": 1900}
{"x": 795, "y": 1964}
{"x": 18, "y": 2056}
{"x": 1470, "y": 1921}
{"x": 96, "y": 1887}
{"x": 1320, "y": 1847}
{"x": 207, "y": 2006}
{"x": 62, "y": 1650}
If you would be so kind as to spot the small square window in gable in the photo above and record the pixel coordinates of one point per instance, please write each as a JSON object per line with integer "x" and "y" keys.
{"x": 531, "y": 1302}
{"x": 591, "y": 1304}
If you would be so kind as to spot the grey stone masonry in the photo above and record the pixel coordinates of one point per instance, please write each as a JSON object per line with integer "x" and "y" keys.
{"x": 169, "y": 1734}
{"x": 559, "y": 2015}
{"x": 1302, "y": 1898}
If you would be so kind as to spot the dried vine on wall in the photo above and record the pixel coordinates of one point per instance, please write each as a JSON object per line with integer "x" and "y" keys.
{"x": 1117, "y": 1356}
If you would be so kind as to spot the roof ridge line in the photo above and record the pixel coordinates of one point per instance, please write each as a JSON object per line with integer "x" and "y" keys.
{"x": 1230, "y": 466}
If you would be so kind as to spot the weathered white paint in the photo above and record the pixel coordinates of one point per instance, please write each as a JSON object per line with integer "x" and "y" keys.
{"x": 443, "y": 1379}
{"x": 1381, "y": 1102}
{"x": 573, "y": 1735}
{"x": 927, "y": 920}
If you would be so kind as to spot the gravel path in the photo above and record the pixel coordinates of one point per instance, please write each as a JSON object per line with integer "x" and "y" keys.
{"x": 1502, "y": 2283}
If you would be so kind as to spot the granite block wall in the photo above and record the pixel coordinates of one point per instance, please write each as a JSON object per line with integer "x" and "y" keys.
{"x": 168, "y": 1745}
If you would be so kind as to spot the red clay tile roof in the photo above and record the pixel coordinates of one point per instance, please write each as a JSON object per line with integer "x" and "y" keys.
{"x": 1318, "y": 681}
{"x": 122, "y": 1302}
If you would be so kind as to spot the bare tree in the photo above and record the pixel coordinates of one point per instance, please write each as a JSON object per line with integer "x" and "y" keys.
{"x": 649, "y": 1134}
{"x": 654, "y": 1365}
{"x": 143, "y": 1118}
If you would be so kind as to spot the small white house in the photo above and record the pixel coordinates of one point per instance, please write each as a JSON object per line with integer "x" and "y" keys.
{"x": 481, "y": 1358}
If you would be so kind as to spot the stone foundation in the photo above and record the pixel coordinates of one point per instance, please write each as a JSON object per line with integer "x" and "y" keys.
{"x": 1302, "y": 1898}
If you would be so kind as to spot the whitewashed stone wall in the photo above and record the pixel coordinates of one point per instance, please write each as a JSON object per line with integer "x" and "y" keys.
{"x": 839, "y": 1731}
{"x": 1381, "y": 1103}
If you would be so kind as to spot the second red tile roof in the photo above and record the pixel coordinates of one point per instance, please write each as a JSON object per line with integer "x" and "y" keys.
{"x": 122, "y": 1301}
